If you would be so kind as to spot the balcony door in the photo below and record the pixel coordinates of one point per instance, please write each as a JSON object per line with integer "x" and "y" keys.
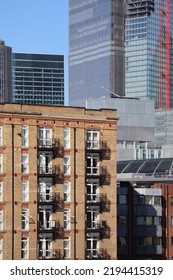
{"x": 92, "y": 164}
{"x": 45, "y": 247}
{"x": 45, "y": 163}
{"x": 92, "y": 191}
{"x": 92, "y": 219}
{"x": 45, "y": 136}
{"x": 92, "y": 139}
{"x": 45, "y": 191}
{"x": 45, "y": 218}
{"x": 92, "y": 247}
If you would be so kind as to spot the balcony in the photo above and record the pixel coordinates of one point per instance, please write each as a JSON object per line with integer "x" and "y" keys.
{"x": 97, "y": 255}
{"x": 100, "y": 200}
{"x": 50, "y": 145}
{"x": 50, "y": 171}
{"x": 51, "y": 254}
{"x": 50, "y": 226}
{"x": 98, "y": 172}
{"x": 101, "y": 147}
{"x": 98, "y": 227}
{"x": 51, "y": 199}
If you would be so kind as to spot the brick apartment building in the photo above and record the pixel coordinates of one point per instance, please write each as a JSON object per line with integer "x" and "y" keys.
{"x": 57, "y": 182}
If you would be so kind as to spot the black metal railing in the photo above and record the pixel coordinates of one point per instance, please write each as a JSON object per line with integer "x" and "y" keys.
{"x": 98, "y": 199}
{"x": 97, "y": 255}
{"x": 51, "y": 254}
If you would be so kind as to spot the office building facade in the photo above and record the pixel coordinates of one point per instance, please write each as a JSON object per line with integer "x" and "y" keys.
{"x": 145, "y": 209}
{"x": 57, "y": 183}
{"x": 96, "y": 49}
{"x": 5, "y": 73}
{"x": 149, "y": 51}
{"x": 38, "y": 79}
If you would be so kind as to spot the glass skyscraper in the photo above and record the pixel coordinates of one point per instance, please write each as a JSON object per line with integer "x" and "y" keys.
{"x": 38, "y": 78}
{"x": 5, "y": 73}
{"x": 149, "y": 51}
{"x": 96, "y": 49}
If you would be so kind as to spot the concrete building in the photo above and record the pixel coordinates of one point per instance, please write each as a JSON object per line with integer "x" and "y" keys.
{"x": 5, "y": 73}
{"x": 148, "y": 51}
{"x": 96, "y": 49}
{"x": 38, "y": 79}
{"x": 57, "y": 182}
{"x": 135, "y": 128}
{"x": 145, "y": 209}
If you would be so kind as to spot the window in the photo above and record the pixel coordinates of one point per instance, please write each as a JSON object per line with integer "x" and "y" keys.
{"x": 45, "y": 190}
{"x": 67, "y": 189}
{"x": 1, "y": 163}
{"x": 1, "y": 248}
{"x": 66, "y": 247}
{"x": 24, "y": 136}
{"x": 45, "y": 251}
{"x": 122, "y": 199}
{"x": 24, "y": 253}
{"x": 93, "y": 139}
{"x": 92, "y": 191}
{"x": 92, "y": 218}
{"x": 92, "y": 247}
{"x": 1, "y": 191}
{"x": 25, "y": 219}
{"x": 25, "y": 163}
{"x": 66, "y": 219}
{"x": 171, "y": 200}
{"x": 1, "y": 136}
{"x": 1, "y": 219}
{"x": 171, "y": 220}
{"x": 45, "y": 137}
{"x": 92, "y": 164}
{"x": 66, "y": 137}
{"x": 25, "y": 191}
{"x": 45, "y": 163}
{"x": 144, "y": 220}
{"x": 45, "y": 218}
{"x": 67, "y": 165}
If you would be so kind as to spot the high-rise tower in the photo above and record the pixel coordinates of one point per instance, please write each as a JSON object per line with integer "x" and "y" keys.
{"x": 149, "y": 51}
{"x": 5, "y": 73}
{"x": 96, "y": 49}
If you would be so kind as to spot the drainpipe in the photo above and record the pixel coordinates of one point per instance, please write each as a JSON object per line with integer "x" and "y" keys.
{"x": 12, "y": 180}
{"x": 74, "y": 193}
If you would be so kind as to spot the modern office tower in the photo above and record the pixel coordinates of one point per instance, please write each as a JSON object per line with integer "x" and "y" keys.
{"x": 145, "y": 209}
{"x": 57, "y": 182}
{"x": 149, "y": 49}
{"x": 5, "y": 73}
{"x": 96, "y": 49}
{"x": 38, "y": 79}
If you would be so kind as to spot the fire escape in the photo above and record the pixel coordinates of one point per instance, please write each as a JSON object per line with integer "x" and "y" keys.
{"x": 96, "y": 202}
{"x": 49, "y": 202}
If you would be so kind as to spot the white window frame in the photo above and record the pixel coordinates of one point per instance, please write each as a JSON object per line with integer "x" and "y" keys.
{"x": 45, "y": 163}
{"x": 1, "y": 248}
{"x": 67, "y": 191}
{"x": 93, "y": 139}
{"x": 45, "y": 218}
{"x": 1, "y": 130}
{"x": 93, "y": 164}
{"x": 25, "y": 219}
{"x": 45, "y": 247}
{"x": 92, "y": 250}
{"x": 67, "y": 252}
{"x": 24, "y": 130}
{"x": 45, "y": 190}
{"x": 25, "y": 163}
{"x": 92, "y": 190}
{"x": 67, "y": 224}
{"x": 44, "y": 140}
{"x": 67, "y": 166}
{"x": 1, "y": 191}
{"x": 92, "y": 218}
{"x": 25, "y": 191}
{"x": 1, "y": 163}
{"x": 1, "y": 219}
{"x": 24, "y": 248}
{"x": 66, "y": 137}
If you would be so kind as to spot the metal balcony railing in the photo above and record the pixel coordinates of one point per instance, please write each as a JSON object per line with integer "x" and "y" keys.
{"x": 49, "y": 226}
{"x": 98, "y": 199}
{"x": 51, "y": 254}
{"x": 97, "y": 146}
{"x": 101, "y": 227}
{"x": 50, "y": 144}
{"x": 51, "y": 199}
{"x": 99, "y": 172}
{"x": 97, "y": 255}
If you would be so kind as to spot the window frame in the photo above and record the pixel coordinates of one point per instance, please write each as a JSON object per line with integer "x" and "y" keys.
{"x": 67, "y": 224}
{"x": 24, "y": 132}
{"x": 25, "y": 163}
{"x": 67, "y": 165}
{"x": 24, "y": 250}
{"x": 25, "y": 191}
{"x": 67, "y": 137}
{"x": 25, "y": 219}
{"x": 1, "y": 191}
{"x": 67, "y": 191}
{"x": 67, "y": 252}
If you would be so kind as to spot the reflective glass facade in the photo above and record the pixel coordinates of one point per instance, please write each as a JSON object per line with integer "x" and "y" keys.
{"x": 149, "y": 51}
{"x": 96, "y": 49}
{"x": 5, "y": 73}
{"x": 38, "y": 79}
